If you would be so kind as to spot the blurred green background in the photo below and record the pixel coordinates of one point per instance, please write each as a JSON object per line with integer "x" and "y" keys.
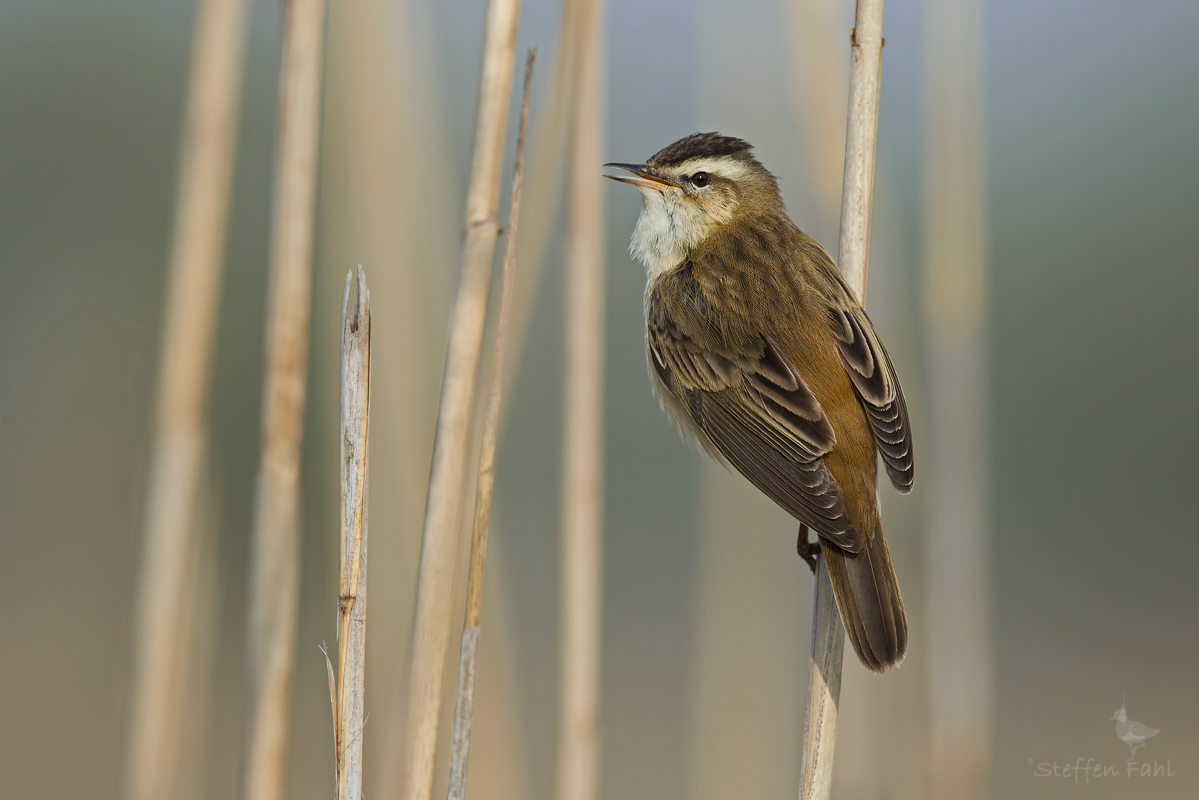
{"x": 1092, "y": 122}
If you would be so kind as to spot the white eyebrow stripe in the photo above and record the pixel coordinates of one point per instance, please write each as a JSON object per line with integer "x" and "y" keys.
{"x": 721, "y": 167}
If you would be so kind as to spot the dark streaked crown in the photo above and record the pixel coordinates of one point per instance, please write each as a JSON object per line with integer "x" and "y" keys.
{"x": 703, "y": 145}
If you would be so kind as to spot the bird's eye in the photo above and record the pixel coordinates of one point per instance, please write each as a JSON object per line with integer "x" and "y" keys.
{"x": 700, "y": 179}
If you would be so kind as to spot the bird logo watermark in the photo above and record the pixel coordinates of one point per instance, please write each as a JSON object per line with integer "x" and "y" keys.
{"x": 1085, "y": 770}
{"x": 1131, "y": 733}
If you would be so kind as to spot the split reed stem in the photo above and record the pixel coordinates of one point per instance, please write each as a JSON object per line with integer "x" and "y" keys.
{"x": 348, "y": 691}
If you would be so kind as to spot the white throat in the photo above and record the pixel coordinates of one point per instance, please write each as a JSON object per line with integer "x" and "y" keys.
{"x": 660, "y": 240}
{"x": 669, "y": 228}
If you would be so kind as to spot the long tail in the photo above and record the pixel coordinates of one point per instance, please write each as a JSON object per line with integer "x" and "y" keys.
{"x": 868, "y": 598}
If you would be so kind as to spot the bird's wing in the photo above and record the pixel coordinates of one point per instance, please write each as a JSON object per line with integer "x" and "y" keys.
{"x": 873, "y": 377}
{"x": 1142, "y": 731}
{"x": 758, "y": 412}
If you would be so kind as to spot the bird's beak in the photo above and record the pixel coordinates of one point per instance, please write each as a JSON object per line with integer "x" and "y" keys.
{"x": 641, "y": 179}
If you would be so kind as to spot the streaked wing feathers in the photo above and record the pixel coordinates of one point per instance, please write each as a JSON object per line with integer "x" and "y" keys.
{"x": 869, "y": 368}
{"x": 763, "y": 418}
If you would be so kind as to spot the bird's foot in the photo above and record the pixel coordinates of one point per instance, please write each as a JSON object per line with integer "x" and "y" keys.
{"x": 807, "y": 550}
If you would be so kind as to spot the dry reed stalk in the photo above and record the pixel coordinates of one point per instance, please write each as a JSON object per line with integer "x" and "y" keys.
{"x": 828, "y": 632}
{"x": 439, "y": 544}
{"x": 275, "y": 568}
{"x": 543, "y": 185}
{"x": 955, "y": 280}
{"x": 380, "y": 108}
{"x": 861, "y": 136}
{"x": 180, "y": 436}
{"x": 199, "y": 627}
{"x": 347, "y": 690}
{"x": 821, "y": 102}
{"x": 468, "y": 657}
{"x": 583, "y": 445}
{"x": 824, "y": 691}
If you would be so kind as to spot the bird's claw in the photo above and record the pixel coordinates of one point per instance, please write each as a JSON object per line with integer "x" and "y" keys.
{"x": 807, "y": 550}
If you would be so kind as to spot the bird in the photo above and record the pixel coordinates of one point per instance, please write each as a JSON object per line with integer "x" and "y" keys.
{"x": 1131, "y": 733}
{"x": 760, "y": 352}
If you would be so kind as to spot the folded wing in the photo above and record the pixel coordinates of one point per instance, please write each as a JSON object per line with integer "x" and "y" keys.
{"x": 760, "y": 415}
{"x": 873, "y": 376}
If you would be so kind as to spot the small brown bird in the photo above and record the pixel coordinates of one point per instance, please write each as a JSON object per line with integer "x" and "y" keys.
{"x": 759, "y": 350}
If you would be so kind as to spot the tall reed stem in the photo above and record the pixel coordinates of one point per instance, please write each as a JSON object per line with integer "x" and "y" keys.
{"x": 439, "y": 544}
{"x": 468, "y": 657}
{"x": 861, "y": 135}
{"x": 583, "y": 445}
{"x": 275, "y": 568}
{"x": 544, "y": 184}
{"x": 180, "y": 435}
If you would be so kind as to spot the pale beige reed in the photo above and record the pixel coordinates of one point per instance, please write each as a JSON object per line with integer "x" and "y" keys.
{"x": 853, "y": 254}
{"x": 439, "y": 545}
{"x": 468, "y": 657}
{"x": 275, "y": 557}
{"x": 178, "y": 460}
{"x": 582, "y": 550}
{"x": 347, "y": 688}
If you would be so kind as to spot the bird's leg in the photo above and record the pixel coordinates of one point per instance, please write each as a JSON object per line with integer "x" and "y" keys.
{"x": 807, "y": 550}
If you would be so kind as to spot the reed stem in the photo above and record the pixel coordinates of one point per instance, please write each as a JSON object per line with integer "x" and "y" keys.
{"x": 544, "y": 185}
{"x": 439, "y": 544}
{"x": 180, "y": 435}
{"x": 583, "y": 444}
{"x": 857, "y": 196}
{"x": 275, "y": 567}
{"x": 469, "y": 654}
{"x": 349, "y": 689}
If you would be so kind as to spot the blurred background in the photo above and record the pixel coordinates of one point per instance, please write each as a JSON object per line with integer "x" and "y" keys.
{"x": 1089, "y": 118}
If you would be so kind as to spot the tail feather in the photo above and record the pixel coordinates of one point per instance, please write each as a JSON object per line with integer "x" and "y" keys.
{"x": 868, "y": 598}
